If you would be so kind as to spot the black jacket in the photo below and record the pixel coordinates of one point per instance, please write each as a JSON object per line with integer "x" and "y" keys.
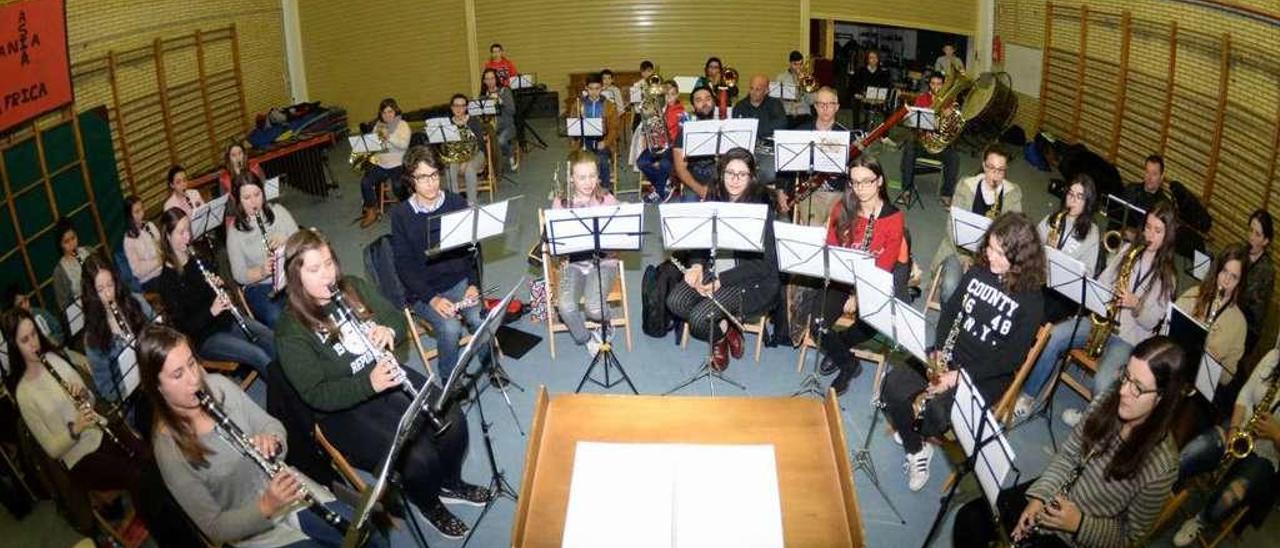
{"x": 997, "y": 329}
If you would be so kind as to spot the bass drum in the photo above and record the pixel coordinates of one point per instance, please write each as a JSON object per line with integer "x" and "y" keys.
{"x": 989, "y": 109}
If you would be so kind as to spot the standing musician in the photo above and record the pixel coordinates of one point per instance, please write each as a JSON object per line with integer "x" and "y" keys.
{"x": 352, "y": 388}
{"x": 1215, "y": 302}
{"x": 465, "y": 159}
{"x": 505, "y": 124}
{"x": 912, "y": 149}
{"x": 228, "y": 496}
{"x": 660, "y": 131}
{"x": 870, "y": 75}
{"x": 58, "y": 409}
{"x": 713, "y": 78}
{"x": 1108, "y": 482}
{"x": 800, "y": 109}
{"x": 113, "y": 317}
{"x": 394, "y": 133}
{"x": 827, "y": 103}
{"x": 579, "y": 279}
{"x": 862, "y": 219}
{"x": 745, "y": 282}
{"x": 141, "y": 245}
{"x": 181, "y": 197}
{"x": 696, "y": 175}
{"x": 253, "y": 243}
{"x": 1261, "y": 276}
{"x": 1240, "y": 480}
{"x": 1143, "y": 278}
{"x": 988, "y": 194}
{"x": 948, "y": 61}
{"x": 499, "y": 62}
{"x": 593, "y": 104}
{"x": 66, "y": 275}
{"x": 217, "y": 328}
{"x": 768, "y": 110}
{"x": 985, "y": 329}
{"x": 442, "y": 287}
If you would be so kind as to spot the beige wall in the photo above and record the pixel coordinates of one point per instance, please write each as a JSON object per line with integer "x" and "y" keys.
{"x": 957, "y": 17}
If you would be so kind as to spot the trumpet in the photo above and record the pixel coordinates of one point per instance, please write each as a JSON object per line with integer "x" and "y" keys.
{"x": 215, "y": 283}
{"x": 84, "y": 405}
{"x": 241, "y": 442}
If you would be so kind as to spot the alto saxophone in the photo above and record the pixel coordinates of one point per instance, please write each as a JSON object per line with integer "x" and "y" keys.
{"x": 241, "y": 442}
{"x": 84, "y": 405}
{"x": 1241, "y": 442}
{"x": 1102, "y": 327}
{"x": 994, "y": 210}
{"x": 1057, "y": 224}
{"x": 935, "y": 368}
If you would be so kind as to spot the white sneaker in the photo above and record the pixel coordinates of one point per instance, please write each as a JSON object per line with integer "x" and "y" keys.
{"x": 593, "y": 345}
{"x": 1189, "y": 532}
{"x": 1022, "y": 407}
{"x": 897, "y": 438}
{"x": 1072, "y": 416}
{"x": 917, "y": 468}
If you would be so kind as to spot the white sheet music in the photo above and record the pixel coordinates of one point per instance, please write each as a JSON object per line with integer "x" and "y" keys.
{"x": 482, "y": 107}
{"x": 4, "y": 355}
{"x": 368, "y": 142}
{"x": 781, "y": 90}
{"x": 686, "y": 83}
{"x": 822, "y": 151}
{"x": 1097, "y": 296}
{"x": 801, "y": 249}
{"x": 1208, "y": 376}
{"x": 1066, "y": 274}
{"x": 1200, "y": 265}
{"x": 127, "y": 364}
{"x": 673, "y": 495}
{"x": 456, "y": 227}
{"x": 968, "y": 415}
{"x": 909, "y": 329}
{"x": 572, "y": 230}
{"x": 272, "y": 188}
{"x": 967, "y": 228}
{"x": 441, "y": 130}
{"x": 876, "y": 95}
{"x": 875, "y": 297}
{"x": 636, "y": 95}
{"x": 711, "y": 137}
{"x": 845, "y": 262}
{"x": 688, "y": 225}
{"x": 922, "y": 118}
{"x": 585, "y": 127}
{"x": 522, "y": 81}
{"x": 75, "y": 318}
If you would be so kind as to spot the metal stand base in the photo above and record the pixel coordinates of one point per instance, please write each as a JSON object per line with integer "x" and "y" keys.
{"x": 606, "y": 359}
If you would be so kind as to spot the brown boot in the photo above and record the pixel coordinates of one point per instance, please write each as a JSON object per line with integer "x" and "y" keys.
{"x": 370, "y": 217}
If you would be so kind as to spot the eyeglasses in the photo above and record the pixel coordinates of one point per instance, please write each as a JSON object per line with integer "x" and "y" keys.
{"x": 865, "y": 182}
{"x": 998, "y": 169}
{"x": 828, "y": 104}
{"x": 427, "y": 176}
{"x": 1138, "y": 389}
{"x": 736, "y": 174}
{"x": 1075, "y": 196}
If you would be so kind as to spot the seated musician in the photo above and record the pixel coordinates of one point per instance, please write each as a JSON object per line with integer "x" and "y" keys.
{"x": 827, "y": 103}
{"x": 113, "y": 316}
{"x": 745, "y": 282}
{"x": 988, "y": 194}
{"x": 235, "y": 161}
{"x": 768, "y": 110}
{"x": 394, "y": 134}
{"x": 1215, "y": 302}
{"x": 578, "y": 278}
{"x": 659, "y": 131}
{"x": 463, "y": 158}
{"x": 505, "y": 128}
{"x": 1260, "y": 276}
{"x": 593, "y": 104}
{"x": 986, "y": 329}
{"x": 46, "y": 322}
{"x": 1143, "y": 278}
{"x": 870, "y": 75}
{"x": 499, "y": 62}
{"x": 1108, "y": 482}
{"x": 1072, "y": 231}
{"x": 218, "y": 329}
{"x": 862, "y": 219}
{"x": 713, "y": 79}
{"x": 912, "y": 149}
{"x": 354, "y": 392}
{"x": 1248, "y": 478}
{"x": 800, "y": 109}
{"x": 181, "y": 197}
{"x": 948, "y": 61}
{"x": 695, "y": 175}
{"x": 611, "y": 91}
{"x": 141, "y": 245}
{"x": 1144, "y": 194}
{"x": 442, "y": 287}
{"x": 253, "y": 242}
{"x": 228, "y": 496}
{"x": 66, "y": 275}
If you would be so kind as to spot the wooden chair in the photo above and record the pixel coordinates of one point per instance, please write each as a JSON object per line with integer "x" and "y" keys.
{"x": 1078, "y": 355}
{"x": 843, "y": 322}
{"x": 385, "y": 197}
{"x": 128, "y": 530}
{"x": 617, "y": 296}
{"x": 931, "y": 300}
{"x": 752, "y": 327}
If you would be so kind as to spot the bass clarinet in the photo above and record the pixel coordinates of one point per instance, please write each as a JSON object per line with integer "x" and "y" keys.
{"x": 241, "y": 442}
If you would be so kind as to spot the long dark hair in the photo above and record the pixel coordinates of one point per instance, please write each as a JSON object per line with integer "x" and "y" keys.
{"x": 226, "y": 158}
{"x": 849, "y": 201}
{"x": 9, "y": 323}
{"x": 1209, "y": 285}
{"x": 242, "y": 221}
{"x": 1080, "y": 230}
{"x": 133, "y": 229}
{"x": 1022, "y": 248}
{"x": 1163, "y": 211}
{"x": 168, "y": 222}
{"x": 496, "y": 84}
{"x": 174, "y": 170}
{"x": 97, "y": 329}
{"x": 154, "y": 345}
{"x": 754, "y": 191}
{"x": 301, "y": 305}
{"x": 1167, "y": 362}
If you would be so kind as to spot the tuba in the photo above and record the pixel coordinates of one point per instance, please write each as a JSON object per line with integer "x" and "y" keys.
{"x": 651, "y": 110}
{"x": 460, "y": 151}
{"x": 1101, "y": 327}
{"x": 950, "y": 121}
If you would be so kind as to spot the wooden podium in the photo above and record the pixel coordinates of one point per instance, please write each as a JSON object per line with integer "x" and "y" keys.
{"x": 819, "y": 506}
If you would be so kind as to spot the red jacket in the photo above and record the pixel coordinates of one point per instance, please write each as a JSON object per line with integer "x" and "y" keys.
{"x": 506, "y": 69}
{"x": 886, "y": 236}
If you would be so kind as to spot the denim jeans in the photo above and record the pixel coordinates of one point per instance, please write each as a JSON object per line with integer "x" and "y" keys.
{"x": 230, "y": 344}
{"x": 656, "y": 169}
{"x": 1203, "y": 454}
{"x": 449, "y": 330}
{"x": 372, "y": 178}
{"x": 604, "y": 162}
{"x": 264, "y": 308}
{"x": 470, "y": 172}
{"x": 950, "y": 274}
{"x": 106, "y": 375}
{"x": 576, "y": 284}
{"x": 1114, "y": 355}
{"x": 322, "y": 534}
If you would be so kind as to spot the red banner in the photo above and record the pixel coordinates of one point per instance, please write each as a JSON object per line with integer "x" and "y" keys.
{"x": 35, "y": 71}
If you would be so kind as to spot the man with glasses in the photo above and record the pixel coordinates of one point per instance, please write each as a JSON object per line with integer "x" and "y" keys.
{"x": 912, "y": 150}
{"x": 827, "y": 104}
{"x": 988, "y": 194}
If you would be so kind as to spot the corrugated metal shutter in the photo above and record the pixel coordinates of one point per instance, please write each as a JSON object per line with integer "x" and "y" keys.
{"x": 958, "y": 17}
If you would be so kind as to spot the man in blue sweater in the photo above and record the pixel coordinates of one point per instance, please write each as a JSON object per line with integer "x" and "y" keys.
{"x": 443, "y": 287}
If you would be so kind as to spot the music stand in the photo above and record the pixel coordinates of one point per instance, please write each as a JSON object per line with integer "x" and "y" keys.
{"x": 697, "y": 226}
{"x": 208, "y": 217}
{"x": 584, "y": 128}
{"x": 522, "y": 81}
{"x": 596, "y": 230}
{"x": 988, "y": 454}
{"x": 368, "y": 143}
{"x": 271, "y": 188}
{"x": 811, "y": 151}
{"x": 1200, "y": 264}
{"x": 967, "y": 228}
{"x": 74, "y": 313}
{"x": 1122, "y": 215}
{"x": 482, "y": 106}
{"x": 783, "y": 91}
{"x": 921, "y": 118}
{"x": 716, "y": 137}
{"x": 440, "y": 131}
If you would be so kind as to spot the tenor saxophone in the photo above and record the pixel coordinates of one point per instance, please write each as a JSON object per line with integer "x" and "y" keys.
{"x": 1102, "y": 327}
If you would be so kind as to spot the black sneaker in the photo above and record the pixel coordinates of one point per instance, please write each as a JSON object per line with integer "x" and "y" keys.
{"x": 827, "y": 367}
{"x": 499, "y": 379}
{"x": 445, "y": 522}
{"x": 465, "y": 493}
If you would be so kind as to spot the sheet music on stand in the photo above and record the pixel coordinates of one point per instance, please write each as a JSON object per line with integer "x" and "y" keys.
{"x": 875, "y": 95}
{"x": 685, "y": 83}
{"x": 465, "y": 226}
{"x": 1097, "y": 296}
{"x": 369, "y": 142}
{"x": 585, "y": 127}
{"x": 4, "y": 356}
{"x": 967, "y": 228}
{"x": 688, "y": 225}
{"x": 208, "y": 216}
{"x": 636, "y": 94}
{"x": 910, "y": 329}
{"x": 522, "y": 81}
{"x": 1122, "y": 214}
{"x": 482, "y": 106}
{"x": 441, "y": 130}
{"x": 875, "y": 297}
{"x": 977, "y": 430}
{"x": 714, "y": 137}
{"x": 571, "y": 230}
{"x": 801, "y": 249}
{"x": 783, "y": 90}
{"x": 1200, "y": 263}
{"x": 922, "y": 118}
{"x": 811, "y": 151}
{"x": 271, "y": 188}
{"x": 1066, "y": 274}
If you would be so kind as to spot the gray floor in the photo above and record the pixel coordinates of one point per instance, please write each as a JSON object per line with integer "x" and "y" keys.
{"x": 655, "y": 365}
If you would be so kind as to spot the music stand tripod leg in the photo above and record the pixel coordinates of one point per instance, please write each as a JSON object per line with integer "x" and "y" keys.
{"x": 862, "y": 461}
{"x": 498, "y": 485}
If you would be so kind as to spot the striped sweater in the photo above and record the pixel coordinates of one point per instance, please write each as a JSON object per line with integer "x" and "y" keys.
{"x": 1115, "y": 513}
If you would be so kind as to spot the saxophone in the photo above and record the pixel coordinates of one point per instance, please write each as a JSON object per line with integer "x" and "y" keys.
{"x": 934, "y": 368}
{"x": 1057, "y": 223}
{"x": 994, "y": 210}
{"x": 84, "y": 405}
{"x": 1240, "y": 444}
{"x": 241, "y": 442}
{"x": 1102, "y": 327}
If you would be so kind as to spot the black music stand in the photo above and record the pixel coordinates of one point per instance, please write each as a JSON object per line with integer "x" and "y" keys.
{"x": 809, "y": 152}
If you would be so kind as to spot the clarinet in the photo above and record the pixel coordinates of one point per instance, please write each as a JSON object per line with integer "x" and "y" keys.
{"x": 344, "y": 312}
{"x": 1065, "y": 489}
{"x": 869, "y": 232}
{"x": 237, "y": 438}
{"x": 84, "y": 405}
{"x": 125, "y": 330}
{"x": 270, "y": 262}
{"x": 218, "y": 293}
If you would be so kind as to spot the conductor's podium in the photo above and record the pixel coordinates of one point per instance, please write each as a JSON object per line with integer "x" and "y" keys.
{"x": 815, "y": 489}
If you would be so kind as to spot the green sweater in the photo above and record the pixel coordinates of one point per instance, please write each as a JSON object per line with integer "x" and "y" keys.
{"x": 330, "y": 374}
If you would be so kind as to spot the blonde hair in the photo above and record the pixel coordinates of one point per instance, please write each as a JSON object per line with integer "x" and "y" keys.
{"x": 584, "y": 157}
